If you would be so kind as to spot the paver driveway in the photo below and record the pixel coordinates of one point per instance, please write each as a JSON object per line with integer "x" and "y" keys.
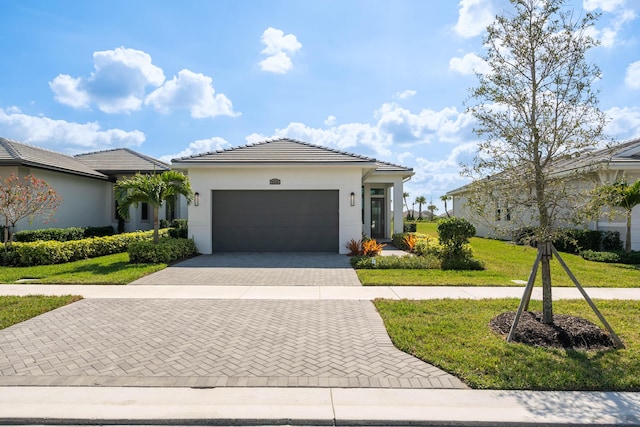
{"x": 263, "y": 269}
{"x": 211, "y": 343}
{"x": 218, "y": 343}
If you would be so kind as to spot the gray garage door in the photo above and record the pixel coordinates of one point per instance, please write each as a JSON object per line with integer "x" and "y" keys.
{"x": 275, "y": 221}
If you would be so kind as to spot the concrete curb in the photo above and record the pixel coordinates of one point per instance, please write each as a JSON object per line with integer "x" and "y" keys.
{"x": 312, "y": 407}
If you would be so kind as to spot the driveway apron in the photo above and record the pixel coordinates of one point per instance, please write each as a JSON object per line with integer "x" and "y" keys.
{"x": 258, "y": 269}
{"x": 217, "y": 343}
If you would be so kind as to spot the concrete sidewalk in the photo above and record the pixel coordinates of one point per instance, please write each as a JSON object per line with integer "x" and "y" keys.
{"x": 312, "y": 407}
{"x": 249, "y": 292}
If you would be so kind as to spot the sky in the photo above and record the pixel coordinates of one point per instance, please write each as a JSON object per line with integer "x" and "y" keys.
{"x": 386, "y": 79}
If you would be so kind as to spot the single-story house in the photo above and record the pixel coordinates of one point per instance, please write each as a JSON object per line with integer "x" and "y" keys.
{"x": 274, "y": 196}
{"x": 85, "y": 183}
{"x": 285, "y": 195}
{"x": 609, "y": 164}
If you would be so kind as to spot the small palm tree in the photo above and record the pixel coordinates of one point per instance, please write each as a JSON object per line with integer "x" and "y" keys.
{"x": 445, "y": 199}
{"x": 404, "y": 197}
{"x": 432, "y": 208}
{"x": 152, "y": 189}
{"x": 622, "y": 195}
{"x": 420, "y": 200}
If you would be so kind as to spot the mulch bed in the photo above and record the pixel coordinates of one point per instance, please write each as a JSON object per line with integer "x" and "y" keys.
{"x": 568, "y": 332}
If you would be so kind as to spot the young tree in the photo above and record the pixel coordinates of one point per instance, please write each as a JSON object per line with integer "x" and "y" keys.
{"x": 431, "y": 208}
{"x": 420, "y": 200}
{"x": 622, "y": 195}
{"x": 152, "y": 189}
{"x": 404, "y": 197}
{"x": 26, "y": 198}
{"x": 535, "y": 108}
{"x": 445, "y": 199}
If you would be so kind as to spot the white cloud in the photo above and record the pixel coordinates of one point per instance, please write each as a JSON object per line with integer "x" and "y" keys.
{"x": 624, "y": 123}
{"x": 64, "y": 136}
{"x": 632, "y": 78}
{"x": 621, "y": 14}
{"x": 394, "y": 127}
{"x": 470, "y": 63}
{"x": 331, "y": 121}
{"x": 605, "y": 5}
{"x": 278, "y": 50}
{"x": 405, "y": 94}
{"x": 198, "y": 147}
{"x": 116, "y": 86}
{"x": 193, "y": 92}
{"x": 474, "y": 17}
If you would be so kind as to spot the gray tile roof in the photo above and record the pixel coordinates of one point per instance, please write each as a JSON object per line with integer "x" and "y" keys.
{"x": 16, "y": 153}
{"x": 627, "y": 152}
{"x": 121, "y": 160}
{"x": 285, "y": 151}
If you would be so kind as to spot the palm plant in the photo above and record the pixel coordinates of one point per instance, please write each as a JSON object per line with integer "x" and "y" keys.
{"x": 445, "y": 199}
{"x": 622, "y": 195}
{"x": 420, "y": 200}
{"x": 153, "y": 190}
{"x": 404, "y": 197}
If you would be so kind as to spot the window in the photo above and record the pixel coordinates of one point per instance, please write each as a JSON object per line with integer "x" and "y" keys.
{"x": 144, "y": 211}
{"x": 502, "y": 211}
{"x": 377, "y": 191}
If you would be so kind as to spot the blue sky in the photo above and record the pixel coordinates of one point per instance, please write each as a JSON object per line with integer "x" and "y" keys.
{"x": 387, "y": 79}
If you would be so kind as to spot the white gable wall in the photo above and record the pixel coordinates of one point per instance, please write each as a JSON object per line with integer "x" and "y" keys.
{"x": 85, "y": 201}
{"x": 205, "y": 179}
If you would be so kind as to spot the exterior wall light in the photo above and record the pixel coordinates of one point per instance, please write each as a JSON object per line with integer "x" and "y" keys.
{"x": 196, "y": 199}
{"x": 353, "y": 198}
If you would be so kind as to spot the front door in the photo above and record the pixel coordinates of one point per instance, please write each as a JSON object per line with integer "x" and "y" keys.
{"x": 377, "y": 218}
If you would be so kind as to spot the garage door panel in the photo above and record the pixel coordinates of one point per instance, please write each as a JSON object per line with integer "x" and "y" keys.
{"x": 275, "y": 221}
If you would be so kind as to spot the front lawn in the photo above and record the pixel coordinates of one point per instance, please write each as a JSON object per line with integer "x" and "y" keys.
{"x": 105, "y": 270}
{"x": 505, "y": 262}
{"x": 454, "y": 335}
{"x": 16, "y": 309}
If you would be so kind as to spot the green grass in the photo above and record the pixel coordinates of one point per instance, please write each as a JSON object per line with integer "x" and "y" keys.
{"x": 506, "y": 262}
{"x": 16, "y": 309}
{"x": 106, "y": 270}
{"x": 454, "y": 335}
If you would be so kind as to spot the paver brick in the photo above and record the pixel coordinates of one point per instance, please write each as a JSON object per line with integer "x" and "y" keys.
{"x": 231, "y": 343}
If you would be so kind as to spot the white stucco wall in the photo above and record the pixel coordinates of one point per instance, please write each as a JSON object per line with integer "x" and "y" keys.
{"x": 205, "y": 179}
{"x": 85, "y": 201}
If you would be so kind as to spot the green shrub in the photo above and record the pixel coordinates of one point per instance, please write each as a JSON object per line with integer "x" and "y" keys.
{"x": 57, "y": 234}
{"x": 410, "y": 227}
{"x": 396, "y": 262}
{"x": 398, "y": 241}
{"x": 455, "y": 254}
{"x": 620, "y": 256}
{"x": 611, "y": 241}
{"x": 167, "y": 250}
{"x": 62, "y": 234}
{"x": 425, "y": 247}
{"x": 54, "y": 252}
{"x": 107, "y": 230}
{"x": 600, "y": 256}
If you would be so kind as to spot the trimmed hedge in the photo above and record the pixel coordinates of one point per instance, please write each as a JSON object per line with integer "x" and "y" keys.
{"x": 573, "y": 240}
{"x": 621, "y": 257}
{"x": 53, "y": 252}
{"x": 167, "y": 251}
{"x": 396, "y": 262}
{"x": 62, "y": 234}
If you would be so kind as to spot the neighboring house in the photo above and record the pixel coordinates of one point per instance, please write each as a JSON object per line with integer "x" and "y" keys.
{"x": 415, "y": 214}
{"x": 123, "y": 162}
{"x": 285, "y": 195}
{"x": 84, "y": 182}
{"x": 610, "y": 164}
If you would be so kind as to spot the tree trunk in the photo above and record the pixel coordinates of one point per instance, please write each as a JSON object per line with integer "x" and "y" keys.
{"x": 156, "y": 225}
{"x": 627, "y": 239}
{"x": 547, "y": 301}
{"x": 6, "y": 233}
